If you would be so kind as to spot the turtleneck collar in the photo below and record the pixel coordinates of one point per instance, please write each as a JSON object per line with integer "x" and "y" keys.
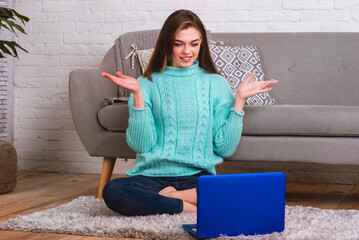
{"x": 183, "y": 72}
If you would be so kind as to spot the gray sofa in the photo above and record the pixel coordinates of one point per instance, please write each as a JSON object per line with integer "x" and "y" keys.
{"x": 315, "y": 118}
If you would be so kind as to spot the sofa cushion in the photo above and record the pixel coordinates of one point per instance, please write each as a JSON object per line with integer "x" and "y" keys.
{"x": 114, "y": 117}
{"x": 236, "y": 64}
{"x": 301, "y": 120}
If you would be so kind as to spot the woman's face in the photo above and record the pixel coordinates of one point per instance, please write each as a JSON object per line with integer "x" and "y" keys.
{"x": 186, "y": 47}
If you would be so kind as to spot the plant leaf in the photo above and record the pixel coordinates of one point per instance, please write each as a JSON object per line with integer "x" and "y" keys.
{"x": 5, "y": 45}
{"x": 17, "y": 45}
{"x": 5, "y": 26}
{"x": 8, "y": 25}
{"x": 12, "y": 46}
{"x": 4, "y": 49}
{"x": 18, "y": 27}
{"x": 6, "y": 13}
{"x": 9, "y": 16}
{"x": 12, "y": 25}
{"x": 21, "y": 17}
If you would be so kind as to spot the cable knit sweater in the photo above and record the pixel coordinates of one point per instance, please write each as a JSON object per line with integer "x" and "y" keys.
{"x": 188, "y": 123}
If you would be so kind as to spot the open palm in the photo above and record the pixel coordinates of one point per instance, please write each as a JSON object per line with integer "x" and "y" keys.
{"x": 248, "y": 89}
{"x": 126, "y": 82}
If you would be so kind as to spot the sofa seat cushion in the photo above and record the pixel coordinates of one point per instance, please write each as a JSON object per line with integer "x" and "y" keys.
{"x": 114, "y": 117}
{"x": 297, "y": 120}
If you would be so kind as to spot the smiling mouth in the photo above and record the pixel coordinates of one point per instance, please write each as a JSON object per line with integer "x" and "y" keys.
{"x": 186, "y": 59}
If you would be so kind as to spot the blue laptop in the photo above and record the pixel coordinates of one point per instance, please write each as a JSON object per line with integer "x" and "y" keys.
{"x": 236, "y": 204}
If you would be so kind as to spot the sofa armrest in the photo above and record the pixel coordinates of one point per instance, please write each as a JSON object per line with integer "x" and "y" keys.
{"x": 87, "y": 89}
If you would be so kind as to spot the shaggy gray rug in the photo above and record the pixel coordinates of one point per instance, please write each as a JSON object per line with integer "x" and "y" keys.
{"x": 88, "y": 215}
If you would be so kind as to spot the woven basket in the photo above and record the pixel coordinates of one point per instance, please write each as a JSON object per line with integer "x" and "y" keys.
{"x": 8, "y": 167}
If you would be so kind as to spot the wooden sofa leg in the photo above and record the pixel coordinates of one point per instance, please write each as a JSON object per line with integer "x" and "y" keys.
{"x": 106, "y": 173}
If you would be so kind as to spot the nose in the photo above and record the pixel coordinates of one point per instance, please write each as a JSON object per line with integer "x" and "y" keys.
{"x": 186, "y": 49}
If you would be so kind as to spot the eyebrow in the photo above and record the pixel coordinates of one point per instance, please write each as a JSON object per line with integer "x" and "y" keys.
{"x": 176, "y": 40}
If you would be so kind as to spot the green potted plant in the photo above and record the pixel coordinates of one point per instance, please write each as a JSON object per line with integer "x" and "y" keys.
{"x": 7, "y": 20}
{"x": 8, "y": 155}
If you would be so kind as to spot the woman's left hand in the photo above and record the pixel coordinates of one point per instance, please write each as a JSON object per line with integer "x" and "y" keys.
{"x": 248, "y": 89}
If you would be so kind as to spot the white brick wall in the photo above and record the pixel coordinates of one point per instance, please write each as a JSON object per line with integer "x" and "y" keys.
{"x": 64, "y": 35}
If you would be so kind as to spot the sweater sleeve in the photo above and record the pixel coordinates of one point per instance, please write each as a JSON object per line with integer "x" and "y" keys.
{"x": 141, "y": 131}
{"x": 228, "y": 122}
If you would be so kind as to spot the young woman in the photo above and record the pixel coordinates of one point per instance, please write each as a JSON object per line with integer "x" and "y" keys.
{"x": 183, "y": 119}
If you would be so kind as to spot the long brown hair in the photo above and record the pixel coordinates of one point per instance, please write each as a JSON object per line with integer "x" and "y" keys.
{"x": 177, "y": 21}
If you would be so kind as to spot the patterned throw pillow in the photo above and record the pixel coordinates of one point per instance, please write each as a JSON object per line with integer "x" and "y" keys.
{"x": 235, "y": 64}
{"x": 144, "y": 57}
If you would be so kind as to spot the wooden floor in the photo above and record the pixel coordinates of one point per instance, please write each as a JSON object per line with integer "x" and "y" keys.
{"x": 40, "y": 191}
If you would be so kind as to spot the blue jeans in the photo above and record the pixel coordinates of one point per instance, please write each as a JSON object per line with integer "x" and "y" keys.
{"x": 138, "y": 195}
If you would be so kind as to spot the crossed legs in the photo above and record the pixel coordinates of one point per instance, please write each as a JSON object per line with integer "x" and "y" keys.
{"x": 188, "y": 197}
{"x": 141, "y": 195}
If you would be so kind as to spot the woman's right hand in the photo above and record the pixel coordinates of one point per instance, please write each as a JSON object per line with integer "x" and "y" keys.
{"x": 126, "y": 82}
{"x": 130, "y": 84}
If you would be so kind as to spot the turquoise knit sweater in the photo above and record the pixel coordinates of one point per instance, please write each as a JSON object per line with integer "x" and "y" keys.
{"x": 188, "y": 123}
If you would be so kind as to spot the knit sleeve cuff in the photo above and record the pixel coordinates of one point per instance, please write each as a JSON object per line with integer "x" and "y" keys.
{"x": 139, "y": 113}
{"x": 237, "y": 113}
